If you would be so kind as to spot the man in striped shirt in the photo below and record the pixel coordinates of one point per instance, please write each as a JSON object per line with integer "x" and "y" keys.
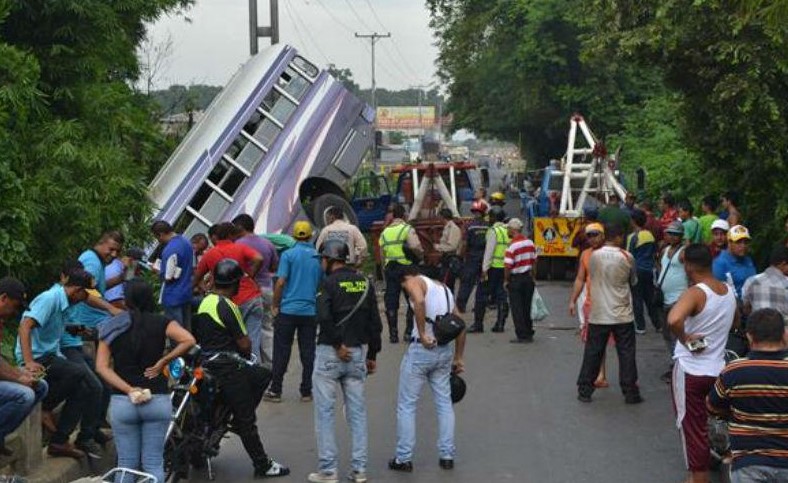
{"x": 752, "y": 394}
{"x": 519, "y": 262}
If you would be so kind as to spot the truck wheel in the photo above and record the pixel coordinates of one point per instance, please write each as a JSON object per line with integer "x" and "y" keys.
{"x": 320, "y": 206}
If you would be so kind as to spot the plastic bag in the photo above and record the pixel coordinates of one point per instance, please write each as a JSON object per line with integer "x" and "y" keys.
{"x": 539, "y": 310}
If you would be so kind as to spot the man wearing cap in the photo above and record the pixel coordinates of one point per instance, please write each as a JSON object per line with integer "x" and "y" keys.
{"x": 769, "y": 290}
{"x": 448, "y": 247}
{"x": 671, "y": 283}
{"x": 294, "y": 308}
{"x": 519, "y": 261}
{"x": 719, "y": 237}
{"x": 19, "y": 390}
{"x": 734, "y": 266}
{"x": 349, "y": 340}
{"x": 38, "y": 350}
{"x": 472, "y": 251}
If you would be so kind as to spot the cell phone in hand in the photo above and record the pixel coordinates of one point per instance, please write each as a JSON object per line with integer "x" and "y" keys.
{"x": 697, "y": 345}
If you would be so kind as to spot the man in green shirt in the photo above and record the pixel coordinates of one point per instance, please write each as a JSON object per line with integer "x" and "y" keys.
{"x": 707, "y": 206}
{"x": 692, "y": 233}
{"x": 612, "y": 214}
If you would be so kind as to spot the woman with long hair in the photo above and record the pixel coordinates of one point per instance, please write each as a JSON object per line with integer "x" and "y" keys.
{"x": 140, "y": 408}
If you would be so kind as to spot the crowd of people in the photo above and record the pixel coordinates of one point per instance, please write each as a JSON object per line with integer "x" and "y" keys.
{"x": 696, "y": 281}
{"x": 97, "y": 342}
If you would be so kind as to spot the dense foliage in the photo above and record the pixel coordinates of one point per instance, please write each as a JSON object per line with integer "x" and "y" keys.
{"x": 695, "y": 90}
{"x": 78, "y": 143}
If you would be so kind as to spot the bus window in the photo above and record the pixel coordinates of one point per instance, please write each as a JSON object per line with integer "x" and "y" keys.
{"x": 267, "y": 132}
{"x": 247, "y": 154}
{"x": 278, "y": 106}
{"x": 293, "y": 83}
{"x": 189, "y": 225}
{"x": 226, "y": 177}
{"x": 209, "y": 203}
{"x": 306, "y": 67}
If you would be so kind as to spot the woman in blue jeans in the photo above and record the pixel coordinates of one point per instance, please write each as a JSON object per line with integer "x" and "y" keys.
{"x": 140, "y": 407}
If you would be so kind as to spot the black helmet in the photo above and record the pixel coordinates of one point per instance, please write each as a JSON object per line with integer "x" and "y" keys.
{"x": 335, "y": 250}
{"x": 497, "y": 213}
{"x": 227, "y": 273}
{"x": 457, "y": 385}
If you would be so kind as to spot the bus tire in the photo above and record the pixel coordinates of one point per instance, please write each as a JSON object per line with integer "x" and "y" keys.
{"x": 320, "y": 206}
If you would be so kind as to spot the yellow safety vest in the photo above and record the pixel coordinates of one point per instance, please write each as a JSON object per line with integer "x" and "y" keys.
{"x": 210, "y": 307}
{"x": 392, "y": 242}
{"x": 501, "y": 244}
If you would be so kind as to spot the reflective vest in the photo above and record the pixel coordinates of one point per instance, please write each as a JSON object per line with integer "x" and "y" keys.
{"x": 392, "y": 242}
{"x": 501, "y": 244}
{"x": 210, "y": 307}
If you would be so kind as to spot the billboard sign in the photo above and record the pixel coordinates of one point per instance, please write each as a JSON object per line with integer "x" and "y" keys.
{"x": 405, "y": 117}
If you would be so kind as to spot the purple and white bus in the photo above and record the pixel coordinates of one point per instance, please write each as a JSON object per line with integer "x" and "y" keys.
{"x": 280, "y": 141}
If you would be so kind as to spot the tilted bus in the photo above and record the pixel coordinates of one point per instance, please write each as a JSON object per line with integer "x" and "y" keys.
{"x": 279, "y": 142}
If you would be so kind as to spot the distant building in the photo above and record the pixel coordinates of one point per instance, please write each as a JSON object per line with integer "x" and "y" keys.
{"x": 177, "y": 125}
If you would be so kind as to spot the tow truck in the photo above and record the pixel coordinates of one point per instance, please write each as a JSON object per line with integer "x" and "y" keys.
{"x": 585, "y": 177}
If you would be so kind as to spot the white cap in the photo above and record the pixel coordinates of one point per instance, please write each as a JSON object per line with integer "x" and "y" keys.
{"x": 720, "y": 225}
{"x": 515, "y": 224}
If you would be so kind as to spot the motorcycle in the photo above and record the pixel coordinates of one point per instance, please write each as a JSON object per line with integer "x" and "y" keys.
{"x": 199, "y": 421}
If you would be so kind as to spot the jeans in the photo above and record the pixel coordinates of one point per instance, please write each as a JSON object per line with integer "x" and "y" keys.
{"x": 469, "y": 277}
{"x": 252, "y": 313}
{"x": 16, "y": 402}
{"x": 329, "y": 373}
{"x": 419, "y": 366}
{"x": 268, "y": 325}
{"x": 598, "y": 335}
{"x": 521, "y": 293}
{"x": 77, "y": 355}
{"x": 285, "y": 328}
{"x": 759, "y": 474}
{"x": 139, "y": 431}
{"x": 73, "y": 383}
{"x": 642, "y": 300}
{"x": 181, "y": 314}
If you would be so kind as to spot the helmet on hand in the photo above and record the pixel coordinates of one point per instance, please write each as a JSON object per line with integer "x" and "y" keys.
{"x": 479, "y": 206}
{"x": 458, "y": 388}
{"x": 335, "y": 250}
{"x": 227, "y": 273}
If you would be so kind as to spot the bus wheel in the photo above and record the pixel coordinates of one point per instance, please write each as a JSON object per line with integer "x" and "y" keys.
{"x": 320, "y": 206}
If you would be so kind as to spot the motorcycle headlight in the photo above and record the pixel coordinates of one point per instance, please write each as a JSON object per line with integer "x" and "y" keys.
{"x": 175, "y": 368}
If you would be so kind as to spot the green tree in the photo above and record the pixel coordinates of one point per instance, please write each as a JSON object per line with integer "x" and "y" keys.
{"x": 79, "y": 145}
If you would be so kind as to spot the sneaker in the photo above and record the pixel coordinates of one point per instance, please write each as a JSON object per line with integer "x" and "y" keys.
{"x": 273, "y": 470}
{"x": 323, "y": 477}
{"x": 306, "y": 398}
{"x": 357, "y": 476}
{"x": 396, "y": 465}
{"x": 91, "y": 449}
{"x": 65, "y": 449}
{"x": 446, "y": 464}
{"x": 634, "y": 399}
{"x": 586, "y": 398}
{"x": 274, "y": 397}
{"x": 640, "y": 331}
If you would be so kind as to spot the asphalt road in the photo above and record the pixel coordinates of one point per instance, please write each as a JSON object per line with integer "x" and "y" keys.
{"x": 520, "y": 420}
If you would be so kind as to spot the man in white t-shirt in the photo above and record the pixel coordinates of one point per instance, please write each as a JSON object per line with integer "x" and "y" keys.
{"x": 426, "y": 362}
{"x": 700, "y": 321}
{"x": 613, "y": 274}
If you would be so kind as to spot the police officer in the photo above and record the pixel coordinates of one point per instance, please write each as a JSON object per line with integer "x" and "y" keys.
{"x": 475, "y": 241}
{"x": 221, "y": 332}
{"x": 496, "y": 242}
{"x": 397, "y": 239}
{"x": 349, "y": 340}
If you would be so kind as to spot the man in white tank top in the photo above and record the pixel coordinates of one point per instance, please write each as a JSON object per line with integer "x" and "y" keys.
{"x": 426, "y": 362}
{"x": 701, "y": 321}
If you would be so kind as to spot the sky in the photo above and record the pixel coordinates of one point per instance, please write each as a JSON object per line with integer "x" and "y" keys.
{"x": 213, "y": 45}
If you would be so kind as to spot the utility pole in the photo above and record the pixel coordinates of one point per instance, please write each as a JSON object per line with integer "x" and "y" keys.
{"x": 373, "y": 38}
{"x": 421, "y": 92}
{"x": 256, "y": 31}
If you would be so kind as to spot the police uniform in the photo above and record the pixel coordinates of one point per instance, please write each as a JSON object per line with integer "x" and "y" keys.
{"x": 497, "y": 240}
{"x": 218, "y": 325}
{"x": 393, "y": 241}
{"x": 475, "y": 241}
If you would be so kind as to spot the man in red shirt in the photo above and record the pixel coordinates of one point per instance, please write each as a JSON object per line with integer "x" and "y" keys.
{"x": 519, "y": 262}
{"x": 652, "y": 224}
{"x": 249, "y": 297}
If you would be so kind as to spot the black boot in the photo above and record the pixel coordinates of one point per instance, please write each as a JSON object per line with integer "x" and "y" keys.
{"x": 503, "y": 312}
{"x": 478, "y": 323}
{"x": 393, "y": 332}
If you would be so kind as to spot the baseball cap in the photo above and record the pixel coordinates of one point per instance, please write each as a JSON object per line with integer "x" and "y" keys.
{"x": 595, "y": 228}
{"x": 515, "y": 224}
{"x": 720, "y": 225}
{"x": 13, "y": 288}
{"x": 738, "y": 232}
{"x": 302, "y": 230}
{"x": 675, "y": 228}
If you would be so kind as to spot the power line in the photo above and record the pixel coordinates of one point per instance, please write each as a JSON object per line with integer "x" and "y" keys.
{"x": 297, "y": 21}
{"x": 358, "y": 17}
{"x": 413, "y": 72}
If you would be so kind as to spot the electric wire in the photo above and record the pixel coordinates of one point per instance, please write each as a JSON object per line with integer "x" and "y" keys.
{"x": 296, "y": 22}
